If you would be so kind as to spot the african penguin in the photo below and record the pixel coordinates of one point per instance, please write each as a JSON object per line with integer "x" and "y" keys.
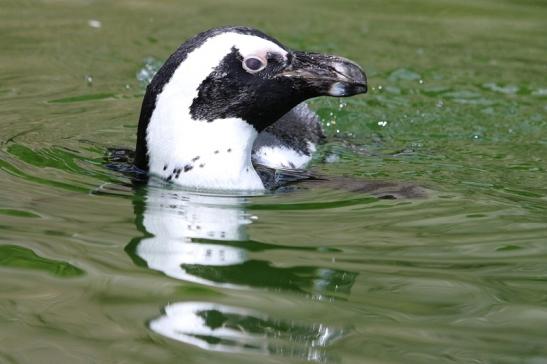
{"x": 232, "y": 96}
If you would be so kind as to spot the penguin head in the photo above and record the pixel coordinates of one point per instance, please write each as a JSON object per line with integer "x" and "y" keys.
{"x": 259, "y": 80}
{"x": 233, "y": 73}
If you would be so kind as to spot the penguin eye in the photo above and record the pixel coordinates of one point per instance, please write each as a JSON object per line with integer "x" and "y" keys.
{"x": 253, "y": 64}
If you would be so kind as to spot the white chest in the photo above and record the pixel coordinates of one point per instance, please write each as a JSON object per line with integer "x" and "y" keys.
{"x": 201, "y": 154}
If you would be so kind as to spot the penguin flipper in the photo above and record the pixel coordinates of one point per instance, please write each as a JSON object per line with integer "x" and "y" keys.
{"x": 275, "y": 178}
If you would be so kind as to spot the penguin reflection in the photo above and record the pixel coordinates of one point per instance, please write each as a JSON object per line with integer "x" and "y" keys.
{"x": 218, "y": 327}
{"x": 203, "y": 239}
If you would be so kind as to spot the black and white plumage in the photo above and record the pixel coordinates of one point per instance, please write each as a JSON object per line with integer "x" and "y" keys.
{"x": 233, "y": 96}
{"x": 290, "y": 141}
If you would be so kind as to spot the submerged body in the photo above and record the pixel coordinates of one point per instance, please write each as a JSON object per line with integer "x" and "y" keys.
{"x": 233, "y": 97}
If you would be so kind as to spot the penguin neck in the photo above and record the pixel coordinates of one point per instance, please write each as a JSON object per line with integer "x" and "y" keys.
{"x": 201, "y": 154}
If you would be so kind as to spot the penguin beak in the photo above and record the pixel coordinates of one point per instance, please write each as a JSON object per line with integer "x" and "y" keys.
{"x": 327, "y": 75}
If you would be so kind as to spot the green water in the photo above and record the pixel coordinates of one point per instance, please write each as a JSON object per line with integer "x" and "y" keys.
{"x": 94, "y": 271}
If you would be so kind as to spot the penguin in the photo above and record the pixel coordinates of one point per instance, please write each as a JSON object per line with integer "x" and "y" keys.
{"x": 227, "y": 109}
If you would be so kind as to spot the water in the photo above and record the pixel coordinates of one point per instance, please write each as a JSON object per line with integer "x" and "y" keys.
{"x": 97, "y": 271}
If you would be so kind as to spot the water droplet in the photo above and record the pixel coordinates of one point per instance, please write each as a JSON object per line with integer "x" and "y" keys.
{"x": 421, "y": 82}
{"x": 147, "y": 72}
{"x": 94, "y": 23}
{"x": 89, "y": 80}
{"x": 382, "y": 123}
{"x": 380, "y": 87}
{"x": 439, "y": 103}
{"x": 540, "y": 92}
{"x": 332, "y": 158}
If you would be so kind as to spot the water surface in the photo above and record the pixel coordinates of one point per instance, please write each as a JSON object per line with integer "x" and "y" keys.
{"x": 95, "y": 270}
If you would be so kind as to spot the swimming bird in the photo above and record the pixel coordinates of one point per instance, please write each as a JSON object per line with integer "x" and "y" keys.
{"x": 229, "y": 101}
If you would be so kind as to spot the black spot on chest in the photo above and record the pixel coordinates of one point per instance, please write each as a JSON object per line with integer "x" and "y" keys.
{"x": 175, "y": 173}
